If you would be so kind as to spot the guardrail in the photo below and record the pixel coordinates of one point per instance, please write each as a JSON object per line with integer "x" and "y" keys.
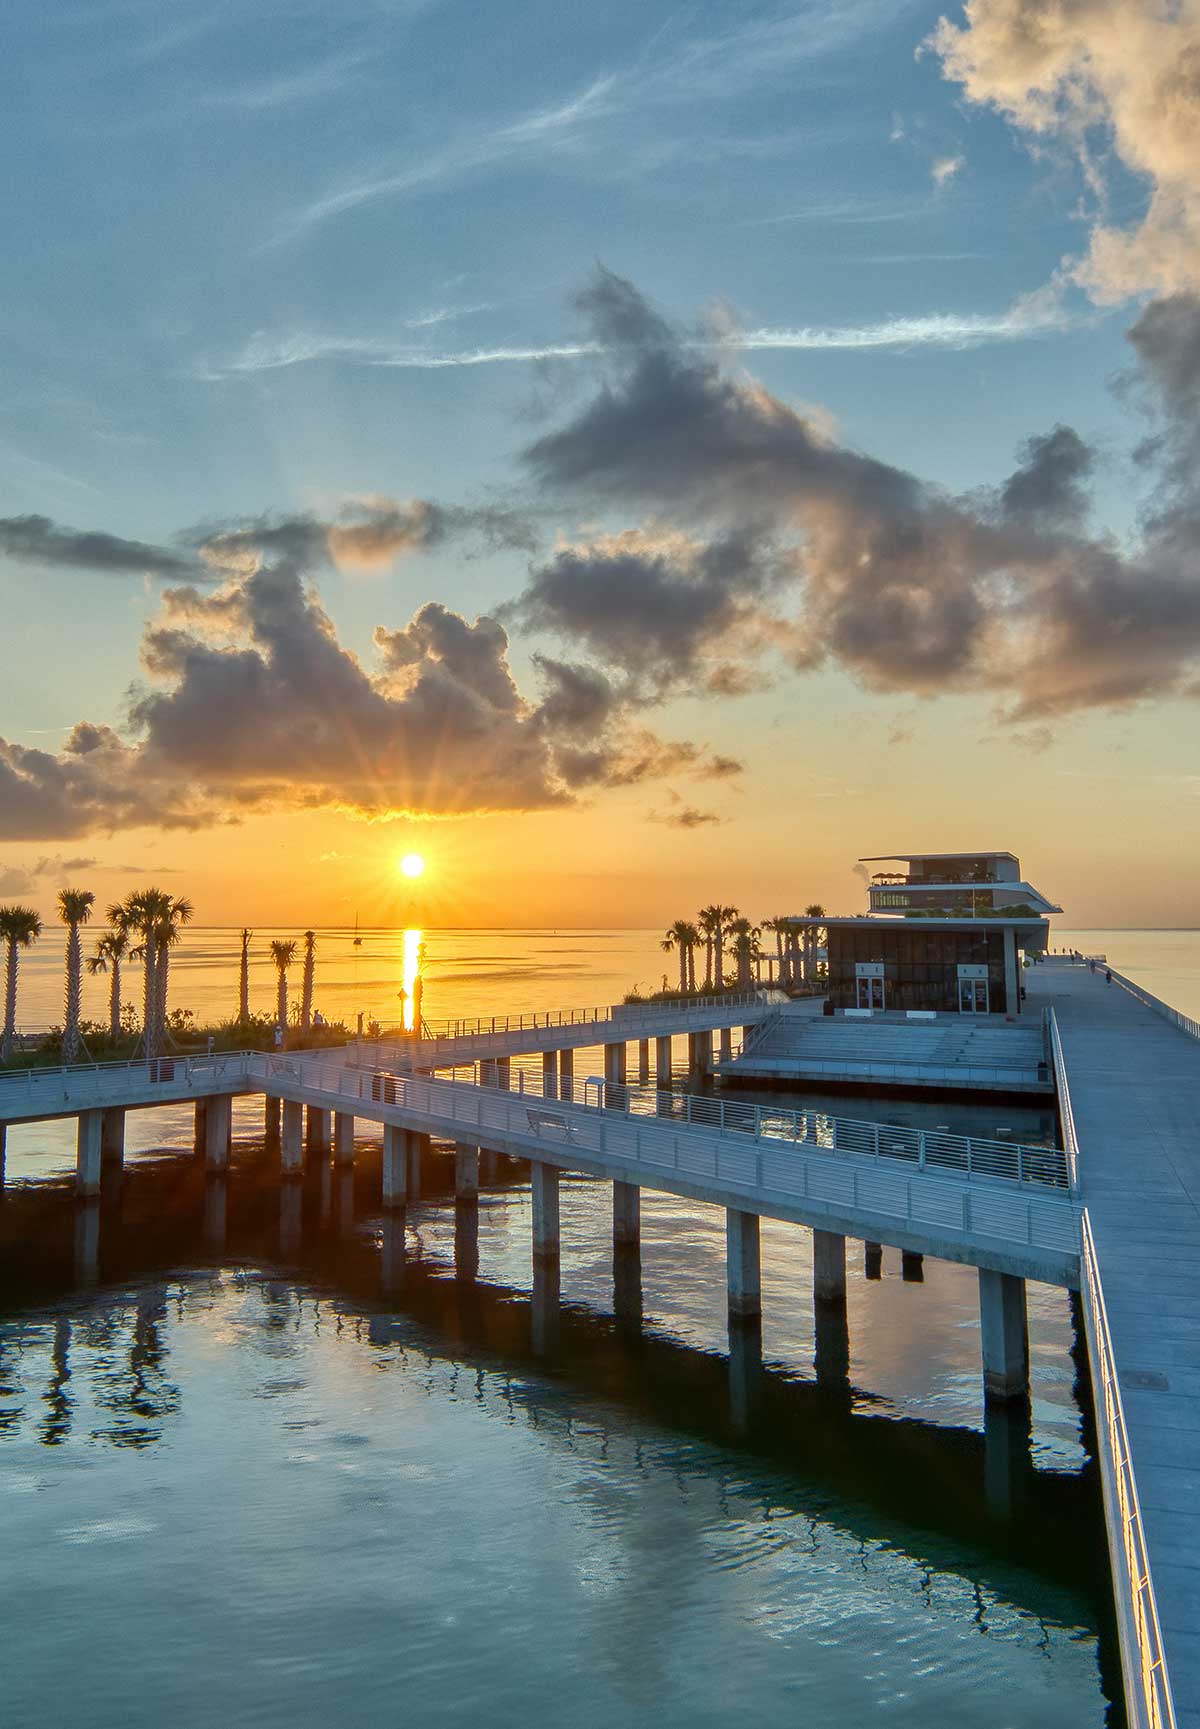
{"x": 1063, "y": 1091}
{"x": 534, "y": 1021}
{"x": 81, "y": 1085}
{"x": 1185, "y": 1023}
{"x": 754, "y": 1155}
{"x": 968, "y": 1157}
{"x": 1148, "y": 1701}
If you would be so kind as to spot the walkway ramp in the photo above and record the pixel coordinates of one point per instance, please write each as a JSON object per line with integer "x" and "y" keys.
{"x": 1134, "y": 1081}
{"x": 951, "y": 1051}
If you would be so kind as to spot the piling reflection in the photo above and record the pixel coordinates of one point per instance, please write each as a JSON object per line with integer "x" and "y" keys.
{"x": 961, "y": 1500}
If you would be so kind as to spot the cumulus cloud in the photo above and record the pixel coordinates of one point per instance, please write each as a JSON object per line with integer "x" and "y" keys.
{"x": 797, "y": 543}
{"x": 1124, "y": 73}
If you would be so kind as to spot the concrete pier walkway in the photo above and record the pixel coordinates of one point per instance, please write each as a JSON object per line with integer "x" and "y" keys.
{"x": 1134, "y": 1082}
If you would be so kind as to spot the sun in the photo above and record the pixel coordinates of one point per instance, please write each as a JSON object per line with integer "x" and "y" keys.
{"x": 411, "y": 865}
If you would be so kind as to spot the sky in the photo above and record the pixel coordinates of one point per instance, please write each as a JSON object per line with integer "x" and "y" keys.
{"x": 632, "y": 455}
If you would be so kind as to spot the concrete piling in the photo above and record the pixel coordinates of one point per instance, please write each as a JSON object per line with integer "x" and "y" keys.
{"x": 700, "y": 1055}
{"x": 112, "y": 1133}
{"x": 343, "y": 1138}
{"x": 466, "y": 1171}
{"x": 614, "y": 1064}
{"x": 292, "y": 1138}
{"x": 742, "y": 1268}
{"x": 566, "y": 1075}
{"x": 319, "y": 1130}
{"x": 549, "y": 1074}
{"x": 662, "y": 1064}
{"x": 1005, "y": 1335}
{"x": 545, "y": 1211}
{"x": 271, "y": 1112}
{"x": 627, "y": 1214}
{"x": 643, "y": 1062}
{"x": 726, "y": 1045}
{"x": 829, "y": 1267}
{"x": 873, "y": 1261}
{"x": 912, "y": 1267}
{"x": 395, "y": 1166}
{"x": 218, "y": 1124}
{"x": 87, "y": 1153}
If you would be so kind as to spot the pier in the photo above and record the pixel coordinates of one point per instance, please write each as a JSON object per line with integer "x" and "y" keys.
{"x": 1113, "y": 1213}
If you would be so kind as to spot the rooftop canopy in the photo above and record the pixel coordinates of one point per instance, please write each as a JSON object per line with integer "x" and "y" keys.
{"x": 911, "y": 857}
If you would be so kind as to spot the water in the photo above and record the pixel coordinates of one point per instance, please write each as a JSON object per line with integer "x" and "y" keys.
{"x": 270, "y": 1463}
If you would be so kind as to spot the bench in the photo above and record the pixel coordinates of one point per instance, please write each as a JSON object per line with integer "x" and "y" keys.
{"x": 540, "y": 1121}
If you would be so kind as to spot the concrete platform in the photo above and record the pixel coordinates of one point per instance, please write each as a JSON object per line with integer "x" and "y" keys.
{"x": 1135, "y": 1091}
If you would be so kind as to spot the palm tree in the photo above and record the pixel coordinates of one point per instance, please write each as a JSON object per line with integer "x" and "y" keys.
{"x": 682, "y": 936}
{"x": 813, "y": 911}
{"x": 244, "y": 980}
{"x": 74, "y": 909}
{"x": 743, "y": 948}
{"x": 693, "y": 943}
{"x": 722, "y": 917}
{"x": 779, "y": 925}
{"x": 306, "y": 990}
{"x": 282, "y": 954}
{"x": 709, "y": 922}
{"x": 19, "y": 928}
{"x": 111, "y": 949}
{"x": 168, "y": 933}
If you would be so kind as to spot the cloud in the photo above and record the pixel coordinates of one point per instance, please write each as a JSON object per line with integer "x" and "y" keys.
{"x": 798, "y": 545}
{"x": 94, "y": 784}
{"x": 37, "y": 540}
{"x": 20, "y": 879}
{"x": 687, "y": 817}
{"x": 1101, "y": 74}
{"x": 945, "y": 169}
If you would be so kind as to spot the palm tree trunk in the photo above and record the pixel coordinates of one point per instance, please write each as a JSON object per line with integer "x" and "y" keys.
{"x": 149, "y": 995}
{"x": 692, "y": 968}
{"x": 70, "y": 1042}
{"x": 281, "y": 1002}
{"x": 306, "y": 993}
{"x": 10, "y": 1001}
{"x": 160, "y": 997}
{"x": 719, "y": 957}
{"x": 114, "y": 1001}
{"x": 708, "y": 958}
{"x": 244, "y": 981}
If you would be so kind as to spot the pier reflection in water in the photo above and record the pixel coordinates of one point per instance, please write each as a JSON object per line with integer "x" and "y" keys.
{"x": 282, "y": 1460}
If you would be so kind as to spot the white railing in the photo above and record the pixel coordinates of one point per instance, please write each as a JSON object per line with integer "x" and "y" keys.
{"x": 967, "y": 1157}
{"x": 758, "y": 1156}
{"x": 1063, "y": 1091}
{"x": 83, "y": 1083}
{"x": 1147, "y": 1686}
{"x": 1185, "y": 1023}
{"x": 651, "y": 1013}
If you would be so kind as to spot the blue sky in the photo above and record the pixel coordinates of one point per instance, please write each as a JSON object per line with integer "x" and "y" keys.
{"x": 269, "y": 257}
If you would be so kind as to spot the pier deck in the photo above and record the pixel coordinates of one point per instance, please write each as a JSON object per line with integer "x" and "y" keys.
{"x": 1135, "y": 1092}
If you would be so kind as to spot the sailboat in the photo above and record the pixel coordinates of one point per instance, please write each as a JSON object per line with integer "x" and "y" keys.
{"x": 357, "y": 938}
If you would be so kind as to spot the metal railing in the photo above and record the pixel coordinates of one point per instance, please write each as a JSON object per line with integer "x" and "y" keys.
{"x": 79, "y": 1084}
{"x": 1185, "y": 1023}
{"x": 1147, "y": 1686}
{"x": 652, "y": 1013}
{"x": 1063, "y": 1091}
{"x": 960, "y": 1201}
{"x": 968, "y": 1157}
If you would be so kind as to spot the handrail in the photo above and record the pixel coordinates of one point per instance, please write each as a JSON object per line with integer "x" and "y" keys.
{"x": 1185, "y": 1023}
{"x": 753, "y": 1154}
{"x": 1063, "y": 1091}
{"x": 632, "y": 1013}
{"x": 1148, "y": 1699}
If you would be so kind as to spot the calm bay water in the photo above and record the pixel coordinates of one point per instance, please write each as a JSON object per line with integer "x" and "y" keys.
{"x": 274, "y": 1464}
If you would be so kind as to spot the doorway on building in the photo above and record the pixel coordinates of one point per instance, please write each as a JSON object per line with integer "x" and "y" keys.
{"x": 870, "y": 993}
{"x": 973, "y": 997}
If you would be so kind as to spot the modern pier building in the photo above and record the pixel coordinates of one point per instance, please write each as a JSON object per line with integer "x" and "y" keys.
{"x": 944, "y": 934}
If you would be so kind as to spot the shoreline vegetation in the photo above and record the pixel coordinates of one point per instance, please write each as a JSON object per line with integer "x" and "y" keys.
{"x": 725, "y": 935}
{"x": 144, "y": 928}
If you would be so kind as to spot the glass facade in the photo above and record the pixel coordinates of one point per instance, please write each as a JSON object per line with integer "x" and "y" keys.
{"x": 920, "y": 965}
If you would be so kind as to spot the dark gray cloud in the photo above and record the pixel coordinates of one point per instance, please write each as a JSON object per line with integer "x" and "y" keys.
{"x": 369, "y": 533}
{"x": 1048, "y": 489}
{"x": 37, "y": 540}
{"x": 652, "y": 605}
{"x": 94, "y": 784}
{"x": 766, "y": 534}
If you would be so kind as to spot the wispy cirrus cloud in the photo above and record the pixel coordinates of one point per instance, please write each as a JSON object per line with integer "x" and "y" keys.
{"x": 670, "y": 73}
{"x": 1041, "y": 314}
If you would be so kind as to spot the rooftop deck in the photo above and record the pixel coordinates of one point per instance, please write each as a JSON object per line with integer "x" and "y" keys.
{"x": 1135, "y": 1093}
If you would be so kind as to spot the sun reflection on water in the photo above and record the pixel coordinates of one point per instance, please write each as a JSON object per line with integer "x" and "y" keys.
{"x": 412, "y": 968}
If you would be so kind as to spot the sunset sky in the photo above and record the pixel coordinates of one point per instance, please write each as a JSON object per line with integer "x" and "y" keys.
{"x": 628, "y": 454}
